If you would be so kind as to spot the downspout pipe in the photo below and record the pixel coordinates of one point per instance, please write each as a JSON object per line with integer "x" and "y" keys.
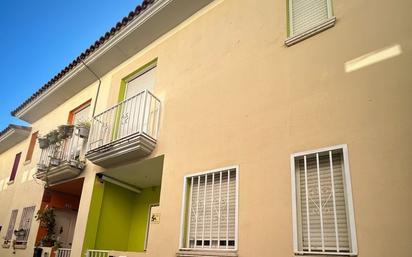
{"x": 98, "y": 86}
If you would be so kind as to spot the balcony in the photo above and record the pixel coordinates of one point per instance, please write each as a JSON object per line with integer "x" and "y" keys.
{"x": 126, "y": 131}
{"x": 62, "y": 155}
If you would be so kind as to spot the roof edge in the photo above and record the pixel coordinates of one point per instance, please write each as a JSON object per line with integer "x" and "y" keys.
{"x": 85, "y": 54}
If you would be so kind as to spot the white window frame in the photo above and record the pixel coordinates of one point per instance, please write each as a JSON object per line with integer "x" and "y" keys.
{"x": 185, "y": 203}
{"x": 295, "y": 38}
{"x": 348, "y": 199}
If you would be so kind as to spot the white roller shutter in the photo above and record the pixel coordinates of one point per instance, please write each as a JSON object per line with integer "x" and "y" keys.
{"x": 145, "y": 80}
{"x": 12, "y": 222}
{"x": 323, "y": 224}
{"x": 211, "y": 217}
{"x": 25, "y": 223}
{"x": 307, "y": 14}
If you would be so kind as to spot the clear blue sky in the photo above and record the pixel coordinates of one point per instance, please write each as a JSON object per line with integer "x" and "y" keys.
{"x": 39, "y": 38}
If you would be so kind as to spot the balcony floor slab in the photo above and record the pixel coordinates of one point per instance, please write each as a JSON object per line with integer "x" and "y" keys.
{"x": 123, "y": 150}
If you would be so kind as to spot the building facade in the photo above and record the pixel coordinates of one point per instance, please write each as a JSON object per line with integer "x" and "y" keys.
{"x": 220, "y": 128}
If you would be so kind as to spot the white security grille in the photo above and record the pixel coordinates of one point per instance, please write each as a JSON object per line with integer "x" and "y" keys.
{"x": 137, "y": 114}
{"x": 25, "y": 223}
{"x": 322, "y": 196}
{"x": 307, "y": 14}
{"x": 211, "y": 216}
{"x": 97, "y": 253}
{"x": 12, "y": 222}
{"x": 63, "y": 252}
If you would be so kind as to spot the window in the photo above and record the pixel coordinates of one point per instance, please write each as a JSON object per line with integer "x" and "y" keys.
{"x": 15, "y": 167}
{"x": 10, "y": 228}
{"x": 142, "y": 80}
{"x": 209, "y": 219}
{"x": 25, "y": 224}
{"x": 79, "y": 114}
{"x": 322, "y": 202}
{"x": 308, "y": 17}
{"x": 32, "y": 144}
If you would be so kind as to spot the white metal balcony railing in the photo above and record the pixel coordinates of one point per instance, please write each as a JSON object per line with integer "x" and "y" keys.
{"x": 137, "y": 114}
{"x": 97, "y": 253}
{"x": 68, "y": 150}
{"x": 63, "y": 252}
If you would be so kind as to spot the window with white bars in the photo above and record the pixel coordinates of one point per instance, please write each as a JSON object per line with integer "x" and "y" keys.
{"x": 25, "y": 223}
{"x": 322, "y": 203}
{"x": 305, "y": 15}
{"x": 10, "y": 228}
{"x": 210, "y": 210}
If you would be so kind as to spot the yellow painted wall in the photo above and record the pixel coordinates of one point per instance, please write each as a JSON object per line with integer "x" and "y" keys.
{"x": 233, "y": 94}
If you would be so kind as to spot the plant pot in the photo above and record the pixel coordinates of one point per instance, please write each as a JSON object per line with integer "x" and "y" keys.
{"x": 20, "y": 233}
{"x": 65, "y": 131}
{"x": 81, "y": 165}
{"x": 43, "y": 143}
{"x": 74, "y": 163}
{"x": 41, "y": 167}
{"x": 53, "y": 137}
{"x": 54, "y": 162}
{"x": 83, "y": 131}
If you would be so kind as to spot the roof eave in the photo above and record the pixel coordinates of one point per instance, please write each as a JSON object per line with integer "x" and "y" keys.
{"x": 163, "y": 12}
{"x": 13, "y": 135}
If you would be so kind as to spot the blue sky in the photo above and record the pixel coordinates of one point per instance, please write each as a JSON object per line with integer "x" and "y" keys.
{"x": 39, "y": 38}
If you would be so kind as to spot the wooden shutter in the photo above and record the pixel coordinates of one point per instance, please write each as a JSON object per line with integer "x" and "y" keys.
{"x": 15, "y": 167}
{"x": 32, "y": 144}
{"x": 25, "y": 222}
{"x": 212, "y": 210}
{"x": 12, "y": 222}
{"x": 307, "y": 14}
{"x": 322, "y": 210}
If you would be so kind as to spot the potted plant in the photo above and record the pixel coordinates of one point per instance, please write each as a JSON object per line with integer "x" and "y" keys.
{"x": 43, "y": 142}
{"x": 65, "y": 131}
{"x": 47, "y": 220}
{"x": 84, "y": 128}
{"x": 53, "y": 137}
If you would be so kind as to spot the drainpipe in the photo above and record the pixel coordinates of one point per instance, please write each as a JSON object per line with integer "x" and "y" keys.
{"x": 98, "y": 86}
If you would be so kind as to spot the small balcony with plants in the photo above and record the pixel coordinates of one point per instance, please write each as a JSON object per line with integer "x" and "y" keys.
{"x": 126, "y": 131}
{"x": 62, "y": 153}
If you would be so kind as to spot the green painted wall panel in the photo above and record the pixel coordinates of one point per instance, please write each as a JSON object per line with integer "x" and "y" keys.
{"x": 118, "y": 218}
{"x": 140, "y": 217}
{"x": 115, "y": 218}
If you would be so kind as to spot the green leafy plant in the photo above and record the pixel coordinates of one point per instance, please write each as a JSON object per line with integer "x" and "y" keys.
{"x": 47, "y": 220}
{"x": 53, "y": 137}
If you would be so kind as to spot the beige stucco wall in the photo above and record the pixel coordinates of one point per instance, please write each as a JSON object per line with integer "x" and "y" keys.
{"x": 233, "y": 94}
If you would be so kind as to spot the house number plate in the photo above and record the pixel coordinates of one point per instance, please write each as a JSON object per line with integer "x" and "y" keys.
{"x": 155, "y": 218}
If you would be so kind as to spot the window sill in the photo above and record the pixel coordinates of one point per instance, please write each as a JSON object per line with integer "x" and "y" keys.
{"x": 302, "y": 36}
{"x": 20, "y": 247}
{"x": 27, "y": 162}
{"x": 11, "y": 182}
{"x": 335, "y": 254}
{"x": 202, "y": 253}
